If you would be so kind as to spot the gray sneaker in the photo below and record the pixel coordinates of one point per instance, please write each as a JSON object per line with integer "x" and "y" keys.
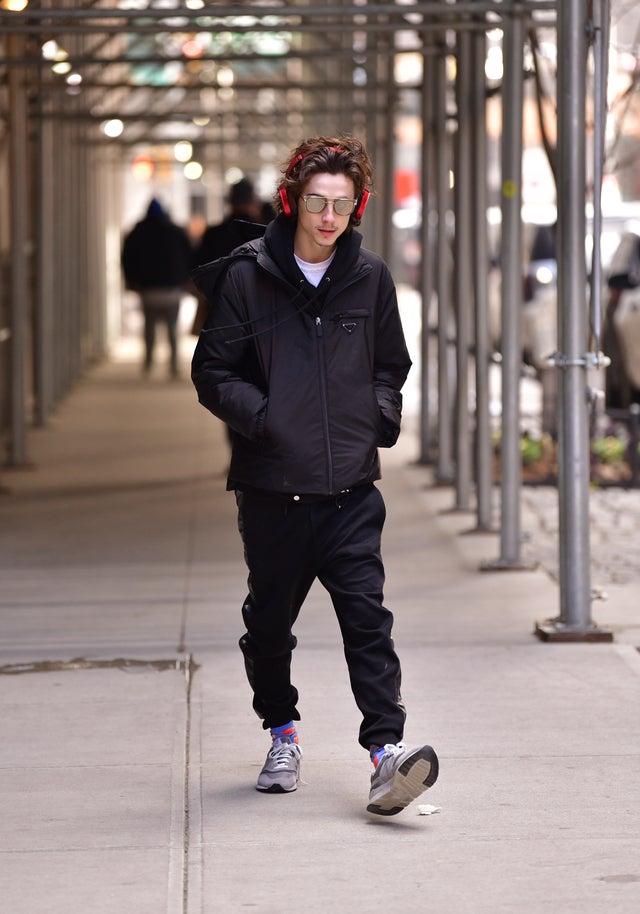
{"x": 401, "y": 776}
{"x": 281, "y": 771}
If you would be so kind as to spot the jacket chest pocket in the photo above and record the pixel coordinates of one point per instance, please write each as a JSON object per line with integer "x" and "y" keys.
{"x": 351, "y": 321}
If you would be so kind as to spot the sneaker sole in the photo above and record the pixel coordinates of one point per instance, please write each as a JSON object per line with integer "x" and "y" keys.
{"x": 276, "y": 788}
{"x": 413, "y": 777}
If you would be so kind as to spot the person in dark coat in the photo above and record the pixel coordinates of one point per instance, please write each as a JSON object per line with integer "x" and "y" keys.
{"x": 218, "y": 240}
{"x": 303, "y": 355}
{"x": 246, "y": 212}
{"x": 157, "y": 262}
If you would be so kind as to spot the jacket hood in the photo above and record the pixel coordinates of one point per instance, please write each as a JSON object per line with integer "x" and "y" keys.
{"x": 156, "y": 210}
{"x": 279, "y": 240}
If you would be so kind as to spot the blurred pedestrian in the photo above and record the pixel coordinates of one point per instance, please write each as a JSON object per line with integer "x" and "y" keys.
{"x": 157, "y": 257}
{"x": 246, "y": 210}
{"x": 219, "y": 240}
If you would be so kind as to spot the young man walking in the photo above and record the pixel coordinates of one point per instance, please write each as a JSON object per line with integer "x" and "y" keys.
{"x": 303, "y": 356}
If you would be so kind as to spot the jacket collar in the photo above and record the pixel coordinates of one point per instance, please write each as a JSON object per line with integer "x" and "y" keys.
{"x": 277, "y": 250}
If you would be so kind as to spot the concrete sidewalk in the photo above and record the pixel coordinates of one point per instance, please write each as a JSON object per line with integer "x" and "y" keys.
{"x": 129, "y": 749}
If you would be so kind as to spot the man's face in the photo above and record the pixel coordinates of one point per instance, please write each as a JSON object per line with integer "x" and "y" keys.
{"x": 317, "y": 233}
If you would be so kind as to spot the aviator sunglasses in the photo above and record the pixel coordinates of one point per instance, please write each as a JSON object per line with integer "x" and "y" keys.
{"x": 343, "y": 206}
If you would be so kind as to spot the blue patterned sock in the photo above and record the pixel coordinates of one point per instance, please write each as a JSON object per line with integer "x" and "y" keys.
{"x": 288, "y": 730}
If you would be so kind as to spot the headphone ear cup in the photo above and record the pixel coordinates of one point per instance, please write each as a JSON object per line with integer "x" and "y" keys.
{"x": 284, "y": 199}
{"x": 362, "y": 204}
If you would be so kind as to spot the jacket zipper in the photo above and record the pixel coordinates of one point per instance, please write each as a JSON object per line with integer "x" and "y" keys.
{"x": 323, "y": 397}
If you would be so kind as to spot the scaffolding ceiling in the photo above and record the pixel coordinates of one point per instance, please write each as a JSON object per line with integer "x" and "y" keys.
{"x": 271, "y": 60}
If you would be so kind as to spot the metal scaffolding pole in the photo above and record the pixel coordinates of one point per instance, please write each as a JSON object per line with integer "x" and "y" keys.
{"x": 19, "y": 305}
{"x": 601, "y": 14}
{"x": 372, "y": 226}
{"x": 462, "y": 276}
{"x": 571, "y": 361}
{"x": 346, "y": 14}
{"x": 511, "y": 300}
{"x": 43, "y": 318}
{"x": 444, "y": 473}
{"x": 388, "y": 189}
{"x": 426, "y": 264}
{"x": 483, "y": 449}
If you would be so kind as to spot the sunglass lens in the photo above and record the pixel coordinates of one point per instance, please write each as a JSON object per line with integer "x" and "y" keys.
{"x": 344, "y": 207}
{"x": 315, "y": 204}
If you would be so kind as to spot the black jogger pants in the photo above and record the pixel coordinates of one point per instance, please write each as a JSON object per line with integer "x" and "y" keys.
{"x": 288, "y": 544}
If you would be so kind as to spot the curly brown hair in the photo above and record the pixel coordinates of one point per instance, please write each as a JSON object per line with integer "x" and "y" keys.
{"x": 333, "y": 155}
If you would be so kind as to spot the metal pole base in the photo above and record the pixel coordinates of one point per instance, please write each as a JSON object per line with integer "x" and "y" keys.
{"x": 442, "y": 479}
{"x": 479, "y": 528}
{"x": 456, "y": 509}
{"x": 508, "y": 565}
{"x": 554, "y": 630}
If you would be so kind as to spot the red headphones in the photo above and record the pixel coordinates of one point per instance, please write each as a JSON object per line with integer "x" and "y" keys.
{"x": 284, "y": 196}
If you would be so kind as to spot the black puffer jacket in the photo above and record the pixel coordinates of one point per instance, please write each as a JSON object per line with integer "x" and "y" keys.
{"x": 308, "y": 379}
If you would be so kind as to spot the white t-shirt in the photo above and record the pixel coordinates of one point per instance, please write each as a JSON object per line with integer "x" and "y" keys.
{"x": 313, "y": 272}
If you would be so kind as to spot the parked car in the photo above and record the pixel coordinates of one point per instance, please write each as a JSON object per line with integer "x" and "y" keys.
{"x": 621, "y": 325}
{"x": 620, "y": 246}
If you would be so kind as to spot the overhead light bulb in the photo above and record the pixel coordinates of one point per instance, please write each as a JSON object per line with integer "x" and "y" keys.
{"x": 225, "y": 77}
{"x": 50, "y": 49}
{"x": 193, "y": 171}
{"x": 233, "y": 175}
{"x": 142, "y": 168}
{"x": 112, "y": 128}
{"x": 14, "y": 6}
{"x": 183, "y": 150}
